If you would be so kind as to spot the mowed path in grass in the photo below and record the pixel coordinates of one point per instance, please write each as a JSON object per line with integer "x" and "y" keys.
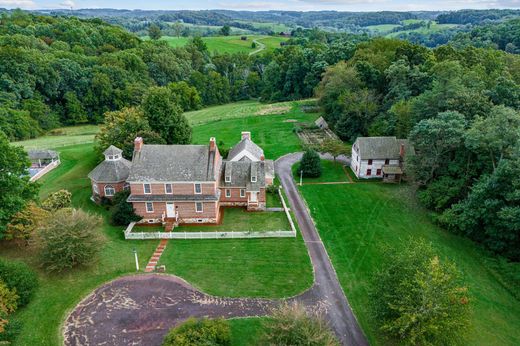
{"x": 356, "y": 220}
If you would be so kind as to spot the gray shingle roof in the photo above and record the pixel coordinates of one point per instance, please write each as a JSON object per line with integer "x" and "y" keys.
{"x": 173, "y": 163}
{"x": 321, "y": 122}
{"x": 377, "y": 147}
{"x": 246, "y": 144}
{"x": 241, "y": 172}
{"x": 41, "y": 154}
{"x": 111, "y": 171}
{"x": 112, "y": 150}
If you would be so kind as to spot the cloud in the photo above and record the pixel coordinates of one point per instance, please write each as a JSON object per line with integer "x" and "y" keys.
{"x": 17, "y": 3}
{"x": 67, "y": 3}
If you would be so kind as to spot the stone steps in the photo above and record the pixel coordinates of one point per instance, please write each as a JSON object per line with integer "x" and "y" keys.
{"x": 150, "y": 267}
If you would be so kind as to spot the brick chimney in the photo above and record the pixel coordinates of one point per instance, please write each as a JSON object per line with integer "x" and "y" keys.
{"x": 262, "y": 157}
{"x": 401, "y": 150}
{"x": 246, "y": 134}
{"x": 138, "y": 144}
{"x": 212, "y": 144}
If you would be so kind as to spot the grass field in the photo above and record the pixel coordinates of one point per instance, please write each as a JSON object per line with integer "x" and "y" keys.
{"x": 229, "y": 44}
{"x": 331, "y": 172}
{"x": 434, "y": 27}
{"x": 63, "y": 137}
{"x": 240, "y": 220}
{"x": 382, "y": 28}
{"x": 246, "y": 331}
{"x": 274, "y": 133}
{"x": 373, "y": 215}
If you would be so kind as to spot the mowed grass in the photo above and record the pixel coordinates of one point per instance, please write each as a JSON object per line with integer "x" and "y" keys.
{"x": 273, "y": 133}
{"x": 382, "y": 28}
{"x": 331, "y": 172}
{"x": 434, "y": 27}
{"x": 246, "y": 331}
{"x": 366, "y": 217}
{"x": 59, "y": 293}
{"x": 64, "y": 136}
{"x": 240, "y": 220}
{"x": 229, "y": 44}
{"x": 271, "y": 268}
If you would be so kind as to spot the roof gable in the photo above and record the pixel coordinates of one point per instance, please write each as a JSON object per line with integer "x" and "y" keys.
{"x": 245, "y": 148}
{"x": 377, "y": 148}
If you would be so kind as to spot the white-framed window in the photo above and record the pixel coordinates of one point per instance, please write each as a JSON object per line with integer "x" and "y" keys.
{"x": 147, "y": 188}
{"x": 109, "y": 190}
{"x": 168, "y": 189}
{"x": 110, "y": 157}
{"x": 253, "y": 178}
{"x": 149, "y": 207}
{"x": 199, "y": 207}
{"x": 242, "y": 193}
{"x": 228, "y": 193}
{"x": 198, "y": 188}
{"x": 228, "y": 178}
{"x": 95, "y": 188}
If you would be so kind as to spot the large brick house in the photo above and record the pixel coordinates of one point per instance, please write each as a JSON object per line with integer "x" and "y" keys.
{"x": 182, "y": 184}
{"x": 379, "y": 157}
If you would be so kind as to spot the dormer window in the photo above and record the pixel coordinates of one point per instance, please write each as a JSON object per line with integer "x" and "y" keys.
{"x": 113, "y": 157}
{"x": 228, "y": 178}
{"x": 253, "y": 178}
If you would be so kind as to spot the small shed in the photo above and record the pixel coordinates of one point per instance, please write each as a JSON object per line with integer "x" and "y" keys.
{"x": 321, "y": 123}
{"x": 392, "y": 173}
{"x": 41, "y": 157}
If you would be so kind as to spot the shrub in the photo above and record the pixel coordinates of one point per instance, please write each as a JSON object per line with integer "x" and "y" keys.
{"x": 18, "y": 276}
{"x": 273, "y": 189}
{"x": 123, "y": 212}
{"x": 310, "y": 164}
{"x": 207, "y": 332}
{"x": 292, "y": 325}
{"x": 418, "y": 299}
{"x": 24, "y": 224}
{"x": 70, "y": 239}
{"x": 8, "y": 304}
{"x": 57, "y": 200}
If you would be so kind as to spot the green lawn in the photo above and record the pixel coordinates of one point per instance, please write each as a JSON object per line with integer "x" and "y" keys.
{"x": 271, "y": 268}
{"x": 236, "y": 110}
{"x": 375, "y": 215}
{"x": 331, "y": 172}
{"x": 382, "y": 28}
{"x": 229, "y": 44}
{"x": 434, "y": 27}
{"x": 274, "y": 133}
{"x": 246, "y": 331}
{"x": 64, "y": 136}
{"x": 273, "y": 200}
{"x": 58, "y": 294}
{"x": 240, "y": 220}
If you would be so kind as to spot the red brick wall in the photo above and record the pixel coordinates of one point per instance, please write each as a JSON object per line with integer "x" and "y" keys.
{"x": 235, "y": 195}
{"x": 178, "y": 188}
{"x": 101, "y": 187}
{"x": 185, "y": 210}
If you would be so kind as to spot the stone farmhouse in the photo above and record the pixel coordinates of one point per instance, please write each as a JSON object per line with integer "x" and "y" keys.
{"x": 185, "y": 184}
{"x": 379, "y": 157}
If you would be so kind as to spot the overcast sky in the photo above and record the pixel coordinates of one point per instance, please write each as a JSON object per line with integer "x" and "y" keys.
{"x": 257, "y": 5}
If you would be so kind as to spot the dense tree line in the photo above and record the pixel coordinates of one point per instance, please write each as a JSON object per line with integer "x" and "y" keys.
{"x": 460, "y": 108}
{"x": 504, "y": 36}
{"x": 475, "y": 16}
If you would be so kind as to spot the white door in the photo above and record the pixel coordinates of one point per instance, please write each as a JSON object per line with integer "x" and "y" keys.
{"x": 170, "y": 209}
{"x": 253, "y": 196}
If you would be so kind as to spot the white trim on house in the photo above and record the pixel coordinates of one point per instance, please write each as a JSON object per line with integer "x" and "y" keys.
{"x": 228, "y": 193}
{"x": 245, "y": 153}
{"x": 146, "y": 207}
{"x": 197, "y": 207}
{"x": 166, "y": 190}
{"x": 242, "y": 193}
{"x": 109, "y": 190}
{"x": 150, "y": 188}
{"x": 195, "y": 188}
{"x": 95, "y": 188}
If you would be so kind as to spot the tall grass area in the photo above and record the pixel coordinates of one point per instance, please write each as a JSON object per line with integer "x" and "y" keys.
{"x": 61, "y": 137}
{"x": 59, "y": 293}
{"x": 366, "y": 217}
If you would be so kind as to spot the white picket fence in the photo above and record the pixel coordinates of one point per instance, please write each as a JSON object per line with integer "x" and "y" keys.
{"x": 215, "y": 235}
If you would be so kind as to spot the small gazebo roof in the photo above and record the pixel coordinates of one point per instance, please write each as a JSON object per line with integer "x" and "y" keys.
{"x": 112, "y": 150}
{"x": 42, "y": 154}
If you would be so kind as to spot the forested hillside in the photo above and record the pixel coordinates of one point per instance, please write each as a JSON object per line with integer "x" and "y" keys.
{"x": 67, "y": 71}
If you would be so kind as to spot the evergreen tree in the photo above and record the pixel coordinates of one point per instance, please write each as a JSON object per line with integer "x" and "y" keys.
{"x": 310, "y": 164}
